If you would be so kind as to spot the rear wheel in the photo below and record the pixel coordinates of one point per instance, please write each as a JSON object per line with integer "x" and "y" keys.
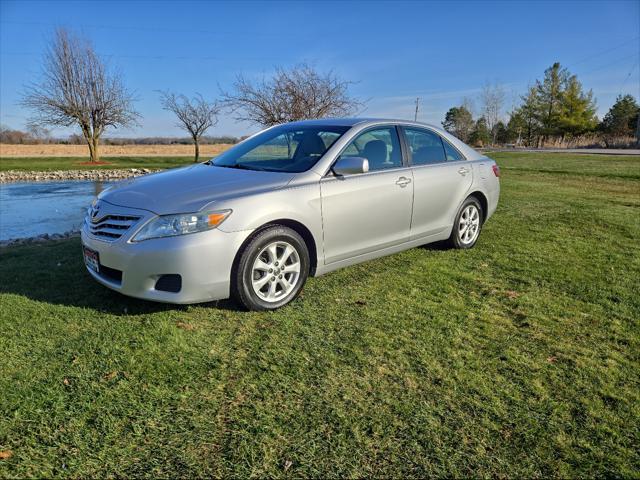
{"x": 467, "y": 225}
{"x": 272, "y": 270}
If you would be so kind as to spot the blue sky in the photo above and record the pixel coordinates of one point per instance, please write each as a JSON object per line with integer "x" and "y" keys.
{"x": 395, "y": 51}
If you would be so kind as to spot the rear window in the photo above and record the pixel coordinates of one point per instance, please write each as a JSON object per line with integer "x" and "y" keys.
{"x": 452, "y": 154}
{"x": 428, "y": 147}
{"x": 425, "y": 147}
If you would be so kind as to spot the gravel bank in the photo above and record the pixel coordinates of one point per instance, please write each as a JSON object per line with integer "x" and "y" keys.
{"x": 61, "y": 175}
{"x": 47, "y": 237}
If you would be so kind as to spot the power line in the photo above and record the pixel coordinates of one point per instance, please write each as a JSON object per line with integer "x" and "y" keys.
{"x": 626, "y": 79}
{"x": 610, "y": 49}
{"x": 610, "y": 63}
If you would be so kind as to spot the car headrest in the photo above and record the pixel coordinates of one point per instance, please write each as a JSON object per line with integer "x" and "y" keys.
{"x": 310, "y": 145}
{"x": 375, "y": 151}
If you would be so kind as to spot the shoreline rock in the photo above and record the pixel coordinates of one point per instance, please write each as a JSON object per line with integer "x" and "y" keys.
{"x": 39, "y": 239}
{"x": 12, "y": 176}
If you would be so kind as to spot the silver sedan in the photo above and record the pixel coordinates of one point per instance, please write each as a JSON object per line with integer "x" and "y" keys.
{"x": 299, "y": 199}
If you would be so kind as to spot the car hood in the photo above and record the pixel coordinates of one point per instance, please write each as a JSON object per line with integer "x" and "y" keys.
{"x": 190, "y": 189}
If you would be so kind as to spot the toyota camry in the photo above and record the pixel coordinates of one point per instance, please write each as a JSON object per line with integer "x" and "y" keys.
{"x": 294, "y": 200}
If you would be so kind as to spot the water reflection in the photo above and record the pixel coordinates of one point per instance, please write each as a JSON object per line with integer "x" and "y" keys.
{"x": 28, "y": 209}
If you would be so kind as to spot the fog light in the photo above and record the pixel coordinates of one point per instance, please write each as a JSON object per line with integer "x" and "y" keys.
{"x": 171, "y": 283}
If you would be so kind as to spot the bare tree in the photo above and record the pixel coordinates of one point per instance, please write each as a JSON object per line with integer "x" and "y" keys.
{"x": 492, "y": 99}
{"x": 195, "y": 115}
{"x": 467, "y": 102}
{"x": 296, "y": 94}
{"x": 77, "y": 89}
{"x": 12, "y": 137}
{"x": 39, "y": 134}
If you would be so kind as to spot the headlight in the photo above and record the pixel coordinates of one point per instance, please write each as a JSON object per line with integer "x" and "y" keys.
{"x": 172, "y": 225}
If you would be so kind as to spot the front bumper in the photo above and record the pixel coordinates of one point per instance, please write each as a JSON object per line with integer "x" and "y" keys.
{"x": 203, "y": 260}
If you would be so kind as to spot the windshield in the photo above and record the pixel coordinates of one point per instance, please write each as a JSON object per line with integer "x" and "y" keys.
{"x": 287, "y": 148}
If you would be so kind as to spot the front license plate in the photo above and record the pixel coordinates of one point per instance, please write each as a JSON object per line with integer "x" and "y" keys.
{"x": 91, "y": 259}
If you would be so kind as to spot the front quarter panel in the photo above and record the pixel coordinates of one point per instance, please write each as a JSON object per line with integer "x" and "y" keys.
{"x": 298, "y": 201}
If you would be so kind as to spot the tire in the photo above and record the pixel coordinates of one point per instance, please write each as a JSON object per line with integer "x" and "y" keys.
{"x": 467, "y": 225}
{"x": 259, "y": 281}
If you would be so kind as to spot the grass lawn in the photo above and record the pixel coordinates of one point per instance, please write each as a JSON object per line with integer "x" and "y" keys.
{"x": 519, "y": 358}
{"x": 81, "y": 163}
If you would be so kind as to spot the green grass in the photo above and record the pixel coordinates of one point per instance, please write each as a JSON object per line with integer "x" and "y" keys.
{"x": 607, "y": 166}
{"x": 519, "y": 358}
{"x": 81, "y": 163}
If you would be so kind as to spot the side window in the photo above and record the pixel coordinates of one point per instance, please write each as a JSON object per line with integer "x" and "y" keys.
{"x": 452, "y": 154}
{"x": 380, "y": 146}
{"x": 425, "y": 146}
{"x": 351, "y": 150}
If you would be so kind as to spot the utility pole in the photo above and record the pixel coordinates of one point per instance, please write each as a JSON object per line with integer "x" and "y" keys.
{"x": 415, "y": 116}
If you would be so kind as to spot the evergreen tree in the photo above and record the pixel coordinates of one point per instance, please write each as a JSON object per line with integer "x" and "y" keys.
{"x": 622, "y": 118}
{"x": 459, "y": 122}
{"x": 480, "y": 136}
{"x": 577, "y": 110}
{"x": 500, "y": 133}
{"x": 557, "y": 106}
{"x": 524, "y": 125}
{"x": 516, "y": 127}
{"x": 549, "y": 95}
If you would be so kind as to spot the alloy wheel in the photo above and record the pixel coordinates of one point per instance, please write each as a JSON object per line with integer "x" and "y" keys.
{"x": 276, "y": 271}
{"x": 469, "y": 225}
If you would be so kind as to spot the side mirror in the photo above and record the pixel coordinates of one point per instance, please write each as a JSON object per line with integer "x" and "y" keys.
{"x": 351, "y": 166}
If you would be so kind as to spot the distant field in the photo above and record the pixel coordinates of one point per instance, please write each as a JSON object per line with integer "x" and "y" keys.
{"x": 106, "y": 150}
{"x": 604, "y": 166}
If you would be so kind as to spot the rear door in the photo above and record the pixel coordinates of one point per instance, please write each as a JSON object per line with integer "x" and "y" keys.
{"x": 442, "y": 178}
{"x": 366, "y": 212}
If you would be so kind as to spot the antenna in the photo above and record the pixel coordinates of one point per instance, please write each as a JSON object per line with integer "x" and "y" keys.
{"x": 415, "y": 116}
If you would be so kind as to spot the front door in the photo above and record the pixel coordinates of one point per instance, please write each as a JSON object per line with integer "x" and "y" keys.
{"x": 366, "y": 212}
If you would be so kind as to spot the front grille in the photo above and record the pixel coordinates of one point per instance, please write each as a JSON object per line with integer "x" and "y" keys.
{"x": 112, "y": 227}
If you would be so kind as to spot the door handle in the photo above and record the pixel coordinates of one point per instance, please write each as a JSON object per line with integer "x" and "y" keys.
{"x": 403, "y": 181}
{"x": 463, "y": 171}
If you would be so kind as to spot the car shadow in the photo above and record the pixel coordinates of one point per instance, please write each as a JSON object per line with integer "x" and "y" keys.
{"x": 437, "y": 246}
{"x": 54, "y": 273}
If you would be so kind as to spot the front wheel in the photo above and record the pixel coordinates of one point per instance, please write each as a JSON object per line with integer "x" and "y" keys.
{"x": 467, "y": 225}
{"x": 272, "y": 270}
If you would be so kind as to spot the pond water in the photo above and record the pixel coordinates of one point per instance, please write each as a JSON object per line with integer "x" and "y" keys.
{"x": 28, "y": 209}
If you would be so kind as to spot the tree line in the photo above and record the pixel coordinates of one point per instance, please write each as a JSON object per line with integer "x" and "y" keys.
{"x": 555, "y": 110}
{"x": 43, "y": 137}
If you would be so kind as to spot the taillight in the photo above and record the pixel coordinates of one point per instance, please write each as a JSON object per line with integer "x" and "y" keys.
{"x": 496, "y": 170}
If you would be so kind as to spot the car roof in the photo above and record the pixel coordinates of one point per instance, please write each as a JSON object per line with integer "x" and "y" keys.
{"x": 350, "y": 122}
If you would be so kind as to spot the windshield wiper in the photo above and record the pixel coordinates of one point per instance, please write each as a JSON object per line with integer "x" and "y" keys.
{"x": 241, "y": 166}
